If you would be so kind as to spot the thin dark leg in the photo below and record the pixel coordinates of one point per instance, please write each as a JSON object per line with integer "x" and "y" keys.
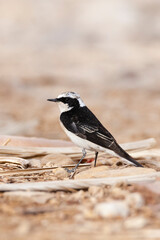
{"x": 74, "y": 169}
{"x": 95, "y": 160}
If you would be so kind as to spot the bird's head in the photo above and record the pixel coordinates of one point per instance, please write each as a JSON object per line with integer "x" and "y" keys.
{"x": 67, "y": 101}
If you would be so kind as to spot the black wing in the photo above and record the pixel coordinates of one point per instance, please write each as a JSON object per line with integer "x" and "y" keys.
{"x": 84, "y": 124}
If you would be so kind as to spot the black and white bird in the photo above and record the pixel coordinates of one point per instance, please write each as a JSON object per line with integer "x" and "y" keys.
{"x": 85, "y": 130}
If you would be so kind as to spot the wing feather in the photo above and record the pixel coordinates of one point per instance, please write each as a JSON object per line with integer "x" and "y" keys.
{"x": 96, "y": 135}
{"x": 85, "y": 125}
{"x": 89, "y": 129}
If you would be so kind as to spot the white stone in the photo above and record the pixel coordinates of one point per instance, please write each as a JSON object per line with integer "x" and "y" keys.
{"x": 112, "y": 209}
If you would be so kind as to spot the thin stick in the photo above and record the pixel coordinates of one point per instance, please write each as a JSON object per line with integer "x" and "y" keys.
{"x": 6, "y": 142}
{"x": 77, "y": 184}
{"x": 39, "y": 170}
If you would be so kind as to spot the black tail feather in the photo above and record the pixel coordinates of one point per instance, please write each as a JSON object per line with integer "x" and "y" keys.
{"x": 120, "y": 151}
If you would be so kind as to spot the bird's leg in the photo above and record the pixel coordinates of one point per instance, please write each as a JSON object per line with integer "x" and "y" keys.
{"x": 74, "y": 169}
{"x": 95, "y": 160}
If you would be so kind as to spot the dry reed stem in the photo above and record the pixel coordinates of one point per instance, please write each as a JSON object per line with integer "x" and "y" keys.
{"x": 6, "y": 142}
{"x": 147, "y": 153}
{"x": 73, "y": 152}
{"x": 77, "y": 184}
{"x": 38, "y": 170}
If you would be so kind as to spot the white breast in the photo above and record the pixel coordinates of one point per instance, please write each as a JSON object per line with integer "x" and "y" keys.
{"x": 64, "y": 107}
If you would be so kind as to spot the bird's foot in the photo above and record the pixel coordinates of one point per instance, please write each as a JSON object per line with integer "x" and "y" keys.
{"x": 72, "y": 171}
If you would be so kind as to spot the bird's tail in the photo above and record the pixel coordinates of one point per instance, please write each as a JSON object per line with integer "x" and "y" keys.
{"x": 120, "y": 151}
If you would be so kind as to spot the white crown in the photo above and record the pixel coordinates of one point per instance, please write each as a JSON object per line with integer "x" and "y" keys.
{"x": 69, "y": 94}
{"x": 72, "y": 95}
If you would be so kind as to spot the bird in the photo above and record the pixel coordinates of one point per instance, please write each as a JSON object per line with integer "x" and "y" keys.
{"x": 85, "y": 130}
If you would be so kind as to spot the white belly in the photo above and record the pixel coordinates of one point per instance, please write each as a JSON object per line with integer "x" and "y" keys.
{"x": 83, "y": 143}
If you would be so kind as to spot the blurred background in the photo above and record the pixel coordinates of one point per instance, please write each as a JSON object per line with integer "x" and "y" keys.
{"x": 108, "y": 51}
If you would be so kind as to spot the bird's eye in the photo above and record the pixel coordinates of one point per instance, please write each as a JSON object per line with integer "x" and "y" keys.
{"x": 67, "y": 100}
{"x": 63, "y": 100}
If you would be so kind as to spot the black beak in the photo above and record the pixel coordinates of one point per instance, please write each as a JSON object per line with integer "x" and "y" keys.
{"x": 53, "y": 100}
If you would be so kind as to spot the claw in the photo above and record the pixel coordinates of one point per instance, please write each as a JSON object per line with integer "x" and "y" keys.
{"x": 70, "y": 170}
{"x": 73, "y": 170}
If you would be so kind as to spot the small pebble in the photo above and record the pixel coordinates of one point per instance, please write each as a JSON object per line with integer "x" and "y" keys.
{"x": 112, "y": 209}
{"x": 60, "y": 173}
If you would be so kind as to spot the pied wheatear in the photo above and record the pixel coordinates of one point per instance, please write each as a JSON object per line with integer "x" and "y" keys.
{"x": 85, "y": 130}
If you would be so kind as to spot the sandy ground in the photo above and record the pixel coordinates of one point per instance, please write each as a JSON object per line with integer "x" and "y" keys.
{"x": 108, "y": 52}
